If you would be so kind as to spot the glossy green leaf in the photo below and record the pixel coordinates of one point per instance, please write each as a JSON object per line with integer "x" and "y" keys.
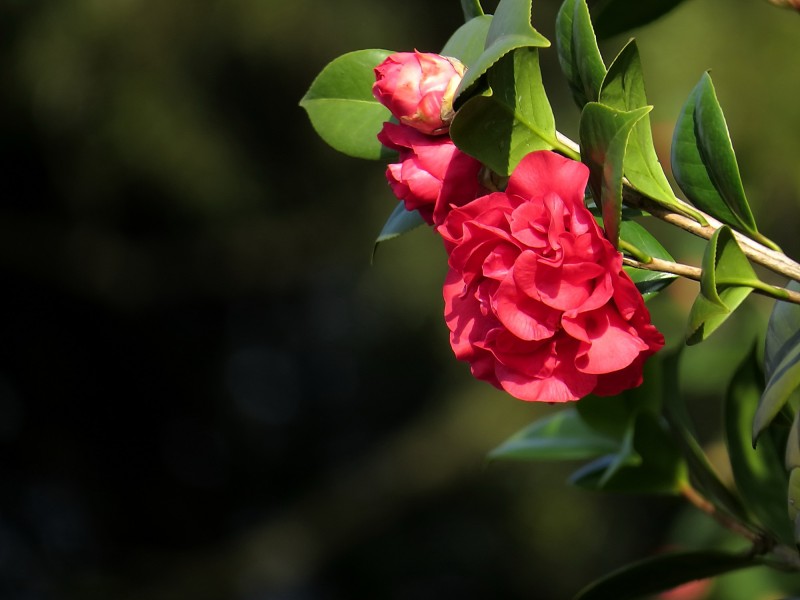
{"x": 472, "y": 9}
{"x": 702, "y": 474}
{"x": 649, "y": 283}
{"x": 704, "y": 163}
{"x": 664, "y": 572}
{"x": 513, "y": 119}
{"x": 578, "y": 54}
{"x": 613, "y": 17}
{"x": 510, "y": 29}
{"x": 466, "y": 44}
{"x": 758, "y": 472}
{"x": 560, "y": 436}
{"x": 604, "y": 134}
{"x": 341, "y": 106}
{"x": 781, "y": 362}
{"x": 399, "y": 222}
{"x": 726, "y": 281}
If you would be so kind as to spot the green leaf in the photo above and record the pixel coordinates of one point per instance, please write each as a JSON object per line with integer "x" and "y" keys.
{"x": 560, "y": 436}
{"x": 794, "y": 495}
{"x": 604, "y": 135}
{"x": 758, "y": 472}
{"x": 466, "y": 44}
{"x": 399, "y": 222}
{"x": 704, "y": 164}
{"x": 578, "y": 54}
{"x": 514, "y": 119}
{"x": 664, "y": 572}
{"x": 472, "y": 9}
{"x": 703, "y": 474}
{"x": 792, "y": 455}
{"x": 510, "y": 29}
{"x": 781, "y": 362}
{"x": 649, "y": 283}
{"x": 617, "y": 16}
{"x": 727, "y": 279}
{"x": 341, "y": 106}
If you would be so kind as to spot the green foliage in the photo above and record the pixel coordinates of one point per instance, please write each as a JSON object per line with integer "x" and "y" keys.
{"x": 341, "y": 106}
{"x": 399, "y": 222}
{"x": 664, "y": 572}
{"x": 604, "y": 135}
{"x": 466, "y": 44}
{"x": 578, "y": 54}
{"x": 726, "y": 281}
{"x": 471, "y": 9}
{"x": 781, "y": 362}
{"x": 704, "y": 163}
{"x": 760, "y": 478}
{"x": 649, "y": 283}
{"x": 613, "y": 17}
{"x": 512, "y": 119}
{"x": 510, "y": 29}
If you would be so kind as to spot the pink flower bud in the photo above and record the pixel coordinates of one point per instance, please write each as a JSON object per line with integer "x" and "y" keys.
{"x": 418, "y": 89}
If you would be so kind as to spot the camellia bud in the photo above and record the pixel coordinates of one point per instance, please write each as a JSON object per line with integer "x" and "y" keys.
{"x": 418, "y": 88}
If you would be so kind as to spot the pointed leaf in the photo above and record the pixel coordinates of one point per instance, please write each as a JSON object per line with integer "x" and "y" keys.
{"x": 781, "y": 360}
{"x": 514, "y": 119}
{"x": 578, "y": 54}
{"x": 617, "y": 16}
{"x": 649, "y": 283}
{"x": 727, "y": 279}
{"x": 604, "y": 135}
{"x": 664, "y": 572}
{"x": 704, "y": 164}
{"x": 399, "y": 222}
{"x": 466, "y": 44}
{"x": 758, "y": 472}
{"x": 341, "y": 106}
{"x": 510, "y": 29}
{"x": 472, "y": 9}
{"x": 560, "y": 436}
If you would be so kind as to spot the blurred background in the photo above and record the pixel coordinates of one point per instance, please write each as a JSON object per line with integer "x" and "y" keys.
{"x": 206, "y": 389}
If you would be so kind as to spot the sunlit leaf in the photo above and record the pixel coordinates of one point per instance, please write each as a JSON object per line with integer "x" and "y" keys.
{"x": 664, "y": 572}
{"x": 341, "y": 106}
{"x": 726, "y": 281}
{"x": 578, "y": 54}
{"x": 781, "y": 361}
{"x": 510, "y": 121}
{"x": 758, "y": 472}
{"x": 466, "y": 44}
{"x": 604, "y": 134}
{"x": 510, "y": 29}
{"x": 613, "y": 17}
{"x": 560, "y": 436}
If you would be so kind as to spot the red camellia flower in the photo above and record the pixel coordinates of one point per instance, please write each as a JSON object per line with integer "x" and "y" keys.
{"x": 432, "y": 174}
{"x": 536, "y": 298}
{"x": 418, "y": 89}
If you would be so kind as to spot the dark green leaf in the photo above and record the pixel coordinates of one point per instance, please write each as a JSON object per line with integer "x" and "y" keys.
{"x": 613, "y": 17}
{"x": 793, "y": 504}
{"x": 664, "y": 572}
{"x": 704, "y": 164}
{"x": 781, "y": 360}
{"x": 472, "y": 9}
{"x": 792, "y": 454}
{"x": 514, "y": 119}
{"x": 647, "y": 282}
{"x": 578, "y": 54}
{"x": 399, "y": 222}
{"x": 510, "y": 29}
{"x": 466, "y": 44}
{"x": 560, "y": 436}
{"x": 604, "y": 135}
{"x": 341, "y": 106}
{"x": 726, "y": 281}
{"x": 758, "y": 473}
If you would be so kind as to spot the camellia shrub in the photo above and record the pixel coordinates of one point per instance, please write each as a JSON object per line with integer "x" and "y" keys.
{"x": 550, "y": 264}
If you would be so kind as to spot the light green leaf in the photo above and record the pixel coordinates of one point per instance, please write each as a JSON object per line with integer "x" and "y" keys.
{"x": 466, "y": 44}
{"x": 758, "y": 472}
{"x": 781, "y": 362}
{"x": 604, "y": 135}
{"x": 510, "y": 29}
{"x": 704, "y": 163}
{"x": 513, "y": 119}
{"x": 664, "y": 572}
{"x": 616, "y": 16}
{"x": 578, "y": 54}
{"x": 726, "y": 281}
{"x": 341, "y": 106}
{"x": 560, "y": 436}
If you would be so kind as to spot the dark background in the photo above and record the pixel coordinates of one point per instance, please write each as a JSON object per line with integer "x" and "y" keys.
{"x": 206, "y": 389}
